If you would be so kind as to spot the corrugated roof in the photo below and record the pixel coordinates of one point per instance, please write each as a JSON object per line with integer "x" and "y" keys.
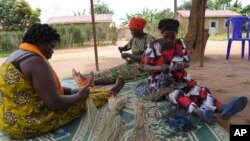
{"x": 210, "y": 13}
{"x": 80, "y": 19}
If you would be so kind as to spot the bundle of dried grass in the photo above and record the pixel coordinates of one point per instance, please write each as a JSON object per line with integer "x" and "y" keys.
{"x": 113, "y": 128}
{"x": 159, "y": 94}
{"x": 91, "y": 111}
{"x": 141, "y": 131}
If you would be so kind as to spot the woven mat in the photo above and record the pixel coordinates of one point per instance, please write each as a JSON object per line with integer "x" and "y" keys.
{"x": 78, "y": 130}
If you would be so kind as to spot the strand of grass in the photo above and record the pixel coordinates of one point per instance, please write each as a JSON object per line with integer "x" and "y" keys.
{"x": 141, "y": 131}
{"x": 91, "y": 112}
{"x": 113, "y": 127}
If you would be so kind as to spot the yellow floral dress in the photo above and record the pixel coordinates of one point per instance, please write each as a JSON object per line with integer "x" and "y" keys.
{"x": 24, "y": 115}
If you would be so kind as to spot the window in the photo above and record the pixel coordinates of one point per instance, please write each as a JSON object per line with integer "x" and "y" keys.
{"x": 225, "y": 24}
{"x": 213, "y": 24}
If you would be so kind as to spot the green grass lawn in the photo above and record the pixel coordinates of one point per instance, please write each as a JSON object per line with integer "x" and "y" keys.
{"x": 221, "y": 37}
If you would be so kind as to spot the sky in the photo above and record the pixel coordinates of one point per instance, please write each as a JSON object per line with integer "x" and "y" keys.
{"x": 54, "y": 8}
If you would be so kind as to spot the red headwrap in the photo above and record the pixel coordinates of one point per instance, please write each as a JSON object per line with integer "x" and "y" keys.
{"x": 137, "y": 23}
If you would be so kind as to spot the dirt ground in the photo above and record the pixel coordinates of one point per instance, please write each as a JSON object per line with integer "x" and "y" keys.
{"x": 225, "y": 79}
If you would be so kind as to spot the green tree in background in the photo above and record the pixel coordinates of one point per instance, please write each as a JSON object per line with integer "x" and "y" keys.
{"x": 34, "y": 18}
{"x": 79, "y": 13}
{"x": 99, "y": 8}
{"x": 17, "y": 14}
{"x": 185, "y": 6}
{"x": 152, "y": 16}
{"x": 237, "y": 7}
{"x": 246, "y": 11}
{"x": 102, "y": 8}
{"x": 211, "y": 4}
{"x": 6, "y": 13}
{"x": 237, "y": 4}
{"x": 220, "y": 5}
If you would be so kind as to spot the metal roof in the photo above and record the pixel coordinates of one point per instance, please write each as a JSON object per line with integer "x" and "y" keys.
{"x": 210, "y": 13}
{"x": 80, "y": 19}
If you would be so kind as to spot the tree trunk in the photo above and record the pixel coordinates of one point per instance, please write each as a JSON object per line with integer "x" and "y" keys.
{"x": 193, "y": 37}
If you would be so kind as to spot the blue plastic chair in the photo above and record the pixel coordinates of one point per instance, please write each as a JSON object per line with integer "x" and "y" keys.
{"x": 238, "y": 23}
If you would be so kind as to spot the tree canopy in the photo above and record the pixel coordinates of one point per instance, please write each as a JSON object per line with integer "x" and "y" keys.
{"x": 17, "y": 14}
{"x": 102, "y": 8}
{"x": 152, "y": 16}
{"x": 235, "y": 6}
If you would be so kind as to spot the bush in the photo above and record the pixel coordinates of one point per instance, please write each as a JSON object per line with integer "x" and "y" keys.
{"x": 10, "y": 41}
{"x": 72, "y": 36}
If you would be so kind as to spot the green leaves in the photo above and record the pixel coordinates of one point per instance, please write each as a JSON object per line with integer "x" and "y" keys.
{"x": 102, "y": 8}
{"x": 152, "y": 16}
{"x": 17, "y": 14}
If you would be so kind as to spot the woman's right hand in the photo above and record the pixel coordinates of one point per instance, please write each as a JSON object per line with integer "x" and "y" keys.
{"x": 126, "y": 55}
{"x": 84, "y": 92}
{"x": 120, "y": 49}
{"x": 164, "y": 68}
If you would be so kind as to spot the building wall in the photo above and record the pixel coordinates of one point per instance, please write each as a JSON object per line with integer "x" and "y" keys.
{"x": 218, "y": 22}
{"x": 124, "y": 33}
{"x": 220, "y": 28}
{"x": 220, "y": 25}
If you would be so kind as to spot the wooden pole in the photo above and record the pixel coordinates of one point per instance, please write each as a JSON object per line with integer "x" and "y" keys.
{"x": 175, "y": 9}
{"x": 203, "y": 9}
{"x": 94, "y": 34}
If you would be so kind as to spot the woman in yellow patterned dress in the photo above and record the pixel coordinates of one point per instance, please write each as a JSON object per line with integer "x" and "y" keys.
{"x": 32, "y": 100}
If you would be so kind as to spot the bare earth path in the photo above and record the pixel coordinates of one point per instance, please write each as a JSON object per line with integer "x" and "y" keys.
{"x": 225, "y": 79}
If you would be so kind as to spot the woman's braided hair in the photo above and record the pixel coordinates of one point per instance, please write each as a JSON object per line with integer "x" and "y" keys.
{"x": 39, "y": 34}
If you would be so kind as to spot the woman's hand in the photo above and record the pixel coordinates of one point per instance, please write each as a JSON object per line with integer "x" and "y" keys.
{"x": 179, "y": 66}
{"x": 164, "y": 68}
{"x": 84, "y": 92}
{"x": 120, "y": 49}
{"x": 126, "y": 55}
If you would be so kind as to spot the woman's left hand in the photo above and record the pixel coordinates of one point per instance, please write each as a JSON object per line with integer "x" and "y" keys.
{"x": 179, "y": 66}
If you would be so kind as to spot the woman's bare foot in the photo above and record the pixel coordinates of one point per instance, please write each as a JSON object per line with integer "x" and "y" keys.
{"x": 76, "y": 76}
{"x": 81, "y": 80}
{"x": 90, "y": 81}
{"x": 120, "y": 82}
